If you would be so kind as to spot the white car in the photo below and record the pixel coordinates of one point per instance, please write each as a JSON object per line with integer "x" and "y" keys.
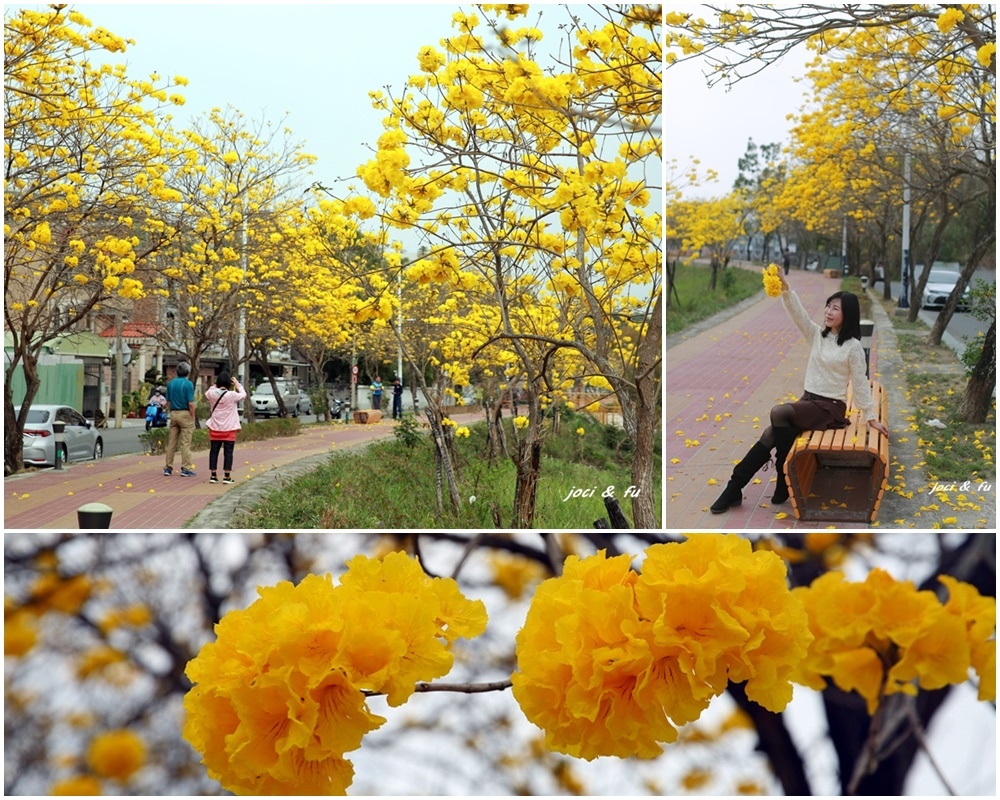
{"x": 940, "y": 284}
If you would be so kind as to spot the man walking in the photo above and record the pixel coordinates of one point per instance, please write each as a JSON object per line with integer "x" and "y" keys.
{"x": 180, "y": 396}
{"x": 397, "y": 399}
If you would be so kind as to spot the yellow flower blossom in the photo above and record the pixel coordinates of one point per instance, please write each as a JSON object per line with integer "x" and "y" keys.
{"x": 116, "y": 754}
{"x": 949, "y": 19}
{"x": 81, "y": 785}
{"x": 609, "y": 661}
{"x": 520, "y": 422}
{"x": 279, "y": 697}
{"x": 19, "y": 634}
{"x": 772, "y": 280}
{"x": 883, "y": 636}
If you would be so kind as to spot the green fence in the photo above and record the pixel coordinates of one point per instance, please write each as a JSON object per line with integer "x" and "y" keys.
{"x": 61, "y": 382}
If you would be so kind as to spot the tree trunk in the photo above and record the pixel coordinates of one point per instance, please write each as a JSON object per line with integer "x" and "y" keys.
{"x": 951, "y": 306}
{"x": 647, "y": 419}
{"x": 446, "y": 465}
{"x": 262, "y": 361}
{"x": 528, "y": 463}
{"x": 13, "y": 441}
{"x": 437, "y": 480}
{"x": 495, "y": 438}
{"x": 976, "y": 403}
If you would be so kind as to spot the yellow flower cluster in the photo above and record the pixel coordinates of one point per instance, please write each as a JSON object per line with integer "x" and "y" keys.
{"x": 81, "y": 785}
{"x": 117, "y": 754}
{"x": 772, "y": 280}
{"x": 520, "y": 421}
{"x": 279, "y": 697}
{"x": 610, "y": 660}
{"x": 882, "y": 636}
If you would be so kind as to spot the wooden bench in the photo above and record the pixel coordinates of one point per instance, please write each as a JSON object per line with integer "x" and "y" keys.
{"x": 831, "y": 273}
{"x": 841, "y": 475}
{"x": 365, "y": 417}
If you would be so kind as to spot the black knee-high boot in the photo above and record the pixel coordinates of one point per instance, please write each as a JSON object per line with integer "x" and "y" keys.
{"x": 784, "y": 438}
{"x": 732, "y": 495}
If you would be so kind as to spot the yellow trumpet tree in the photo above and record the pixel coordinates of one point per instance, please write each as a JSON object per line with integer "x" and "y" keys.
{"x": 86, "y": 203}
{"x": 235, "y": 179}
{"x": 895, "y": 84}
{"x": 527, "y": 178}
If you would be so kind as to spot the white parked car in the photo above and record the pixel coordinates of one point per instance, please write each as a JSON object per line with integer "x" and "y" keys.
{"x": 940, "y": 284}
{"x": 82, "y": 441}
{"x": 265, "y": 404}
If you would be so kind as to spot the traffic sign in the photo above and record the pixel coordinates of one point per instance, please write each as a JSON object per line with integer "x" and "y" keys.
{"x": 354, "y": 369}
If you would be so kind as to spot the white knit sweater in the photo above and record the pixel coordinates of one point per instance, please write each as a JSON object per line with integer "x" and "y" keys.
{"x": 831, "y": 366}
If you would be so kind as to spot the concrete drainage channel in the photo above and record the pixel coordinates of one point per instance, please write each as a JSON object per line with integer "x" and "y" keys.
{"x": 219, "y": 514}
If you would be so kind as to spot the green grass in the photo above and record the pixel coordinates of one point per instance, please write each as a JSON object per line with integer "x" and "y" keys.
{"x": 391, "y": 486}
{"x": 697, "y": 302}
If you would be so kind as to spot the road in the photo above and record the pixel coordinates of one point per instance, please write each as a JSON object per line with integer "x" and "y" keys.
{"x": 961, "y": 327}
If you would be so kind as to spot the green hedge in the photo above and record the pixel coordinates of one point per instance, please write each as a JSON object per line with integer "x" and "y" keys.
{"x": 154, "y": 441}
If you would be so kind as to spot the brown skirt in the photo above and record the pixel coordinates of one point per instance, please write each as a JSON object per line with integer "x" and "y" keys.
{"x": 816, "y": 413}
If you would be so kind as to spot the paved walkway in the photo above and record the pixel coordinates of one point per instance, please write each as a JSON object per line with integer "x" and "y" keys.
{"x": 724, "y": 376}
{"x": 143, "y": 498}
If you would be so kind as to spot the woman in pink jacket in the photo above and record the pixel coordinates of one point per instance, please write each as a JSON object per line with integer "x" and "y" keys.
{"x": 223, "y": 424}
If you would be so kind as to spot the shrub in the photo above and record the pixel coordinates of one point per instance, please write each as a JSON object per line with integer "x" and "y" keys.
{"x": 408, "y": 431}
{"x": 155, "y": 441}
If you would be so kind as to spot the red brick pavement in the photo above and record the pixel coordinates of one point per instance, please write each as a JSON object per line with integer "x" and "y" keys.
{"x": 720, "y": 387}
{"x": 143, "y": 498}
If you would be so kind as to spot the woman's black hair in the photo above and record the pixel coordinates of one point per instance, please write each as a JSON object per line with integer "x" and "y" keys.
{"x": 224, "y": 381}
{"x": 851, "y": 309}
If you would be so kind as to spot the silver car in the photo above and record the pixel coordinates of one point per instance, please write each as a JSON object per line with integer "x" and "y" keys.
{"x": 940, "y": 284}
{"x": 265, "y": 404}
{"x": 82, "y": 441}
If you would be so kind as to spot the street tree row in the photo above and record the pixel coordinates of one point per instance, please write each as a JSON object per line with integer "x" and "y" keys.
{"x": 900, "y": 129}
{"x": 530, "y": 178}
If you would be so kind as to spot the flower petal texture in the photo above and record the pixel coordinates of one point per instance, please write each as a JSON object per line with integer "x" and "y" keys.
{"x": 609, "y": 661}
{"x": 279, "y": 696}
{"x": 883, "y": 636}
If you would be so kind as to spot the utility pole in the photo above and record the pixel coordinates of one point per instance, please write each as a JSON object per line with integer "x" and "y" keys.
{"x": 399, "y": 326}
{"x": 119, "y": 368}
{"x": 244, "y": 362}
{"x": 904, "y": 297}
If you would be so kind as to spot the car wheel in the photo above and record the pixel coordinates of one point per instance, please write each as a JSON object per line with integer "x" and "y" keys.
{"x": 98, "y": 450}
{"x": 64, "y": 457}
{"x": 295, "y": 412}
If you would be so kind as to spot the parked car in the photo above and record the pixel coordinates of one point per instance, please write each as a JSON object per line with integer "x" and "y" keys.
{"x": 305, "y": 403}
{"x": 82, "y": 441}
{"x": 265, "y": 404}
{"x": 939, "y": 286}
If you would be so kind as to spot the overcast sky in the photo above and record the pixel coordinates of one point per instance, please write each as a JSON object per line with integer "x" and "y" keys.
{"x": 317, "y": 62}
{"x": 713, "y": 125}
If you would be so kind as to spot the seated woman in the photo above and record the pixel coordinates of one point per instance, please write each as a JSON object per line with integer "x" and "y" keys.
{"x": 836, "y": 360}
